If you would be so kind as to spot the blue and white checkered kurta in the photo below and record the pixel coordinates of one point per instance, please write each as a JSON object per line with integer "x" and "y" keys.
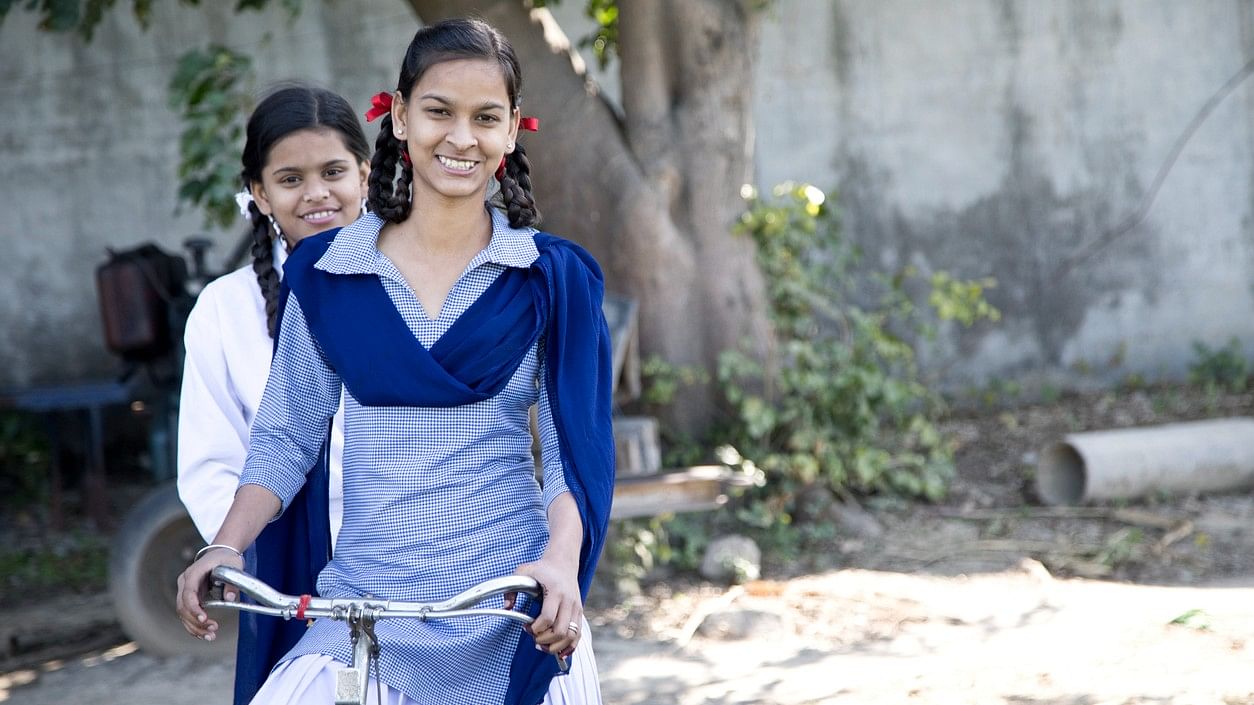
{"x": 435, "y": 499}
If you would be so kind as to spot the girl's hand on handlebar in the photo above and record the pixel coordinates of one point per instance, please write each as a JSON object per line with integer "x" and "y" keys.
{"x": 558, "y": 626}
{"x": 193, "y": 586}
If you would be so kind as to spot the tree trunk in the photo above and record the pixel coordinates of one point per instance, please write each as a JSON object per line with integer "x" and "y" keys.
{"x": 653, "y": 198}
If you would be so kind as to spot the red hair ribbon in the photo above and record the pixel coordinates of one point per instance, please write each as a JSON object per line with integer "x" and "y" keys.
{"x": 530, "y": 124}
{"x": 380, "y": 104}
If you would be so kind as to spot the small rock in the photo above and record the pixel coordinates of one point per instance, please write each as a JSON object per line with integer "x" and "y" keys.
{"x": 734, "y": 624}
{"x": 856, "y": 520}
{"x": 1035, "y": 569}
{"x": 732, "y": 558}
{"x": 627, "y": 587}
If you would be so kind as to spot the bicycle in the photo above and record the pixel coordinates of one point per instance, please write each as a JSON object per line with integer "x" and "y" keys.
{"x": 361, "y": 615}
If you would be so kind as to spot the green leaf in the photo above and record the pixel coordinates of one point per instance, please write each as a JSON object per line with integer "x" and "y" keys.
{"x": 62, "y": 16}
{"x": 1193, "y": 619}
{"x": 211, "y": 92}
{"x": 604, "y": 39}
{"x": 142, "y": 9}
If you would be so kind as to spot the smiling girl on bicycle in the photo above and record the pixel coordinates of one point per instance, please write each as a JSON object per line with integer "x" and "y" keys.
{"x": 444, "y": 319}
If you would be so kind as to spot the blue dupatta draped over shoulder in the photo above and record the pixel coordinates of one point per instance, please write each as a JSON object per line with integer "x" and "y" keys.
{"x": 380, "y": 362}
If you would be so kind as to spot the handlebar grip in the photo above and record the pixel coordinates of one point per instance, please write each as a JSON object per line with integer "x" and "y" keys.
{"x": 227, "y": 574}
{"x": 258, "y": 590}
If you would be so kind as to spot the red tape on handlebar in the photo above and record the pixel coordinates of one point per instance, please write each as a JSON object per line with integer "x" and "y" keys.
{"x": 304, "y": 602}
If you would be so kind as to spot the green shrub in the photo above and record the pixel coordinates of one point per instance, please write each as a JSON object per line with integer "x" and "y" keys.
{"x": 840, "y": 406}
{"x": 1221, "y": 368}
{"x": 76, "y": 562}
{"x": 24, "y": 458}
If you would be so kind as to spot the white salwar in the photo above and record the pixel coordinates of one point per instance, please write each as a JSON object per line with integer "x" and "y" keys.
{"x": 310, "y": 680}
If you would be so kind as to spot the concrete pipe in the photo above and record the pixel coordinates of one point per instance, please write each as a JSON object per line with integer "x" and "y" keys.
{"x": 1200, "y": 456}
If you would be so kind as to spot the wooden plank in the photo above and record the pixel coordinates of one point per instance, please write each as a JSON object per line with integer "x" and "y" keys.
{"x": 694, "y": 489}
{"x": 637, "y": 450}
{"x": 621, "y": 317}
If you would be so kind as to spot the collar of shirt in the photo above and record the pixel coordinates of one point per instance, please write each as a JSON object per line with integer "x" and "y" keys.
{"x": 355, "y": 248}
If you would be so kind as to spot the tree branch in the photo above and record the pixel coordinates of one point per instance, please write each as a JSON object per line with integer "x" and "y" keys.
{"x": 646, "y": 50}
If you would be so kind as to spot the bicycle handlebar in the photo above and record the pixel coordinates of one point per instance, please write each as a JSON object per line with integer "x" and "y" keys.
{"x": 363, "y": 612}
{"x": 276, "y": 604}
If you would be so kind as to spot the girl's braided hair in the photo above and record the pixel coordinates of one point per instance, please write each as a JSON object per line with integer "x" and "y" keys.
{"x": 389, "y": 195}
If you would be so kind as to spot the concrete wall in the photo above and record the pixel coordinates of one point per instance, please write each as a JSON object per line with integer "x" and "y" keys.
{"x": 1004, "y": 138}
{"x": 984, "y": 137}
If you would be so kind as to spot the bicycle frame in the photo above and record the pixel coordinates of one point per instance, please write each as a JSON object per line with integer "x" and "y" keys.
{"x": 361, "y": 615}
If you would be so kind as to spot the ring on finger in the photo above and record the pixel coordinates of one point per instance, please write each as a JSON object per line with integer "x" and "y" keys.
{"x": 573, "y": 627}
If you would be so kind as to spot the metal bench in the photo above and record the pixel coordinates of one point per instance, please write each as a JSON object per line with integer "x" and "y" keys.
{"x": 90, "y": 398}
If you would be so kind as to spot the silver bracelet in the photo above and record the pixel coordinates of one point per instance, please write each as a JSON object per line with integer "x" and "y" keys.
{"x": 212, "y": 546}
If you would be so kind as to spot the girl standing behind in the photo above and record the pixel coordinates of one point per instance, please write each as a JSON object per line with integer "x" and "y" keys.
{"x": 305, "y": 162}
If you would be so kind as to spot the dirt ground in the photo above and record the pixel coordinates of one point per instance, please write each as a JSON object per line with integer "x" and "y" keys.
{"x": 984, "y": 598}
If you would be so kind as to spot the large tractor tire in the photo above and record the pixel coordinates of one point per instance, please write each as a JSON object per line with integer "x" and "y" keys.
{"x": 156, "y": 541}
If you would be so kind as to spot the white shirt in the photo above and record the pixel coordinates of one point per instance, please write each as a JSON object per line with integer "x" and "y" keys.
{"x": 227, "y": 362}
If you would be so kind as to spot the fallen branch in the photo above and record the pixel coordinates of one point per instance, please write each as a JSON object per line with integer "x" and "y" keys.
{"x": 706, "y": 609}
{"x": 1184, "y": 529}
{"x": 1136, "y": 517}
{"x": 1055, "y": 551}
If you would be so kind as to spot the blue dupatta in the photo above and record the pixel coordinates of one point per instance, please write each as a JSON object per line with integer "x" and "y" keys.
{"x": 382, "y": 364}
{"x": 288, "y": 555}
